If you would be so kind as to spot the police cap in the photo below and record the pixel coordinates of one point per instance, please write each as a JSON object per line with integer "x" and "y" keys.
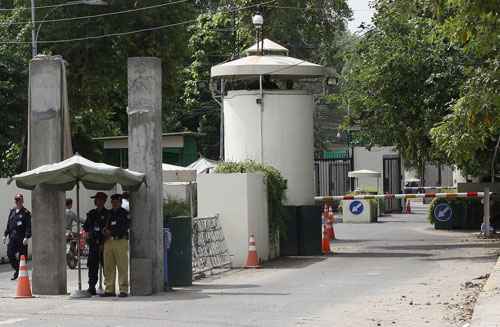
{"x": 100, "y": 195}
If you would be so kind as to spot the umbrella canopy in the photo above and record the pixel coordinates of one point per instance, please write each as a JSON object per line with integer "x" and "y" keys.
{"x": 364, "y": 173}
{"x": 203, "y": 165}
{"x": 64, "y": 175}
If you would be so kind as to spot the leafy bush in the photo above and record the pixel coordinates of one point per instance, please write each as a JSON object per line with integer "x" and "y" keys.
{"x": 462, "y": 207}
{"x": 176, "y": 208}
{"x": 276, "y": 192}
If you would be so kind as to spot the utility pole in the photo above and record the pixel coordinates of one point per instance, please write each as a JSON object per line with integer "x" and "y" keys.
{"x": 33, "y": 36}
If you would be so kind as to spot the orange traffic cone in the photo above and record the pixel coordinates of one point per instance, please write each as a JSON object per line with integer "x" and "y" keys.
{"x": 331, "y": 221}
{"x": 325, "y": 244}
{"x": 252, "y": 258}
{"x": 408, "y": 207}
{"x": 23, "y": 283}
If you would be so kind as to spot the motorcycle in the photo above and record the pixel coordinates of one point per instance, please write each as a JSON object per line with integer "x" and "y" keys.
{"x": 72, "y": 242}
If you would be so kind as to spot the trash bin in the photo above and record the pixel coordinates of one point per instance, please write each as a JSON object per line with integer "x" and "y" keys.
{"x": 309, "y": 230}
{"x": 167, "y": 241}
{"x": 179, "y": 260}
{"x": 289, "y": 242}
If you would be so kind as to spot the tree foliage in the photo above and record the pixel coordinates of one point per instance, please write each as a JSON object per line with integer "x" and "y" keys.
{"x": 469, "y": 133}
{"x": 399, "y": 80}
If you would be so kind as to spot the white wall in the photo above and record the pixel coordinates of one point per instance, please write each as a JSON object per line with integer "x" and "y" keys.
{"x": 287, "y": 137}
{"x": 372, "y": 160}
{"x": 240, "y": 200}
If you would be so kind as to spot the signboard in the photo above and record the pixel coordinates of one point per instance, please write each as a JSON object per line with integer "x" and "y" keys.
{"x": 443, "y": 212}
{"x": 356, "y": 207}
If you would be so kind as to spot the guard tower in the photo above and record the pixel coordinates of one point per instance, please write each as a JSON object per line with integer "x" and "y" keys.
{"x": 268, "y": 113}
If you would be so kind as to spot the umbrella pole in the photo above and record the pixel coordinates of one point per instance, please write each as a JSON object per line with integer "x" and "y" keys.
{"x": 79, "y": 293}
{"x": 78, "y": 231}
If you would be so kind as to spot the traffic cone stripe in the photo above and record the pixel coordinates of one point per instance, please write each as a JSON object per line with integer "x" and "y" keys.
{"x": 23, "y": 283}
{"x": 252, "y": 258}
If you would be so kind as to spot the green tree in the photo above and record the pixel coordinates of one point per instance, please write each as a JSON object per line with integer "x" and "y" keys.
{"x": 399, "y": 80}
{"x": 468, "y": 135}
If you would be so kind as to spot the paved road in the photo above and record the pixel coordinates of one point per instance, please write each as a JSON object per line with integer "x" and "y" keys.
{"x": 399, "y": 272}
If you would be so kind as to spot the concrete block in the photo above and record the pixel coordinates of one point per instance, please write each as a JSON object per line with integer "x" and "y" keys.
{"x": 241, "y": 202}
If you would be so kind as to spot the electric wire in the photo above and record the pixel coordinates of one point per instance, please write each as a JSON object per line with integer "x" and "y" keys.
{"x": 102, "y": 36}
{"x": 96, "y": 15}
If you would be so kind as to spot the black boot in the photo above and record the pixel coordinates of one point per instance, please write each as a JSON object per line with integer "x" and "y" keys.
{"x": 16, "y": 274}
{"x": 92, "y": 291}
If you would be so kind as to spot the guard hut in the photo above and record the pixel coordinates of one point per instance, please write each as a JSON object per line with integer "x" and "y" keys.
{"x": 268, "y": 112}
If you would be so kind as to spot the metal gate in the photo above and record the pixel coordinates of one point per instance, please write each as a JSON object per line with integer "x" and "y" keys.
{"x": 392, "y": 181}
{"x": 330, "y": 176}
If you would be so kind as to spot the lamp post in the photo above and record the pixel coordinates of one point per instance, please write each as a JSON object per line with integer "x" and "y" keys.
{"x": 35, "y": 31}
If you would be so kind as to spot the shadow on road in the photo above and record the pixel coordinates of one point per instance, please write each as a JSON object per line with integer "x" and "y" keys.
{"x": 441, "y": 246}
{"x": 380, "y": 254}
{"x": 481, "y": 258}
{"x": 292, "y": 262}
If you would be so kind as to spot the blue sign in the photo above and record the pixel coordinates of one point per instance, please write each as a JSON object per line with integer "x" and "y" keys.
{"x": 443, "y": 212}
{"x": 356, "y": 207}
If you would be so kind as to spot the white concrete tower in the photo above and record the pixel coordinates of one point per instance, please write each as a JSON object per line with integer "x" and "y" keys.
{"x": 268, "y": 114}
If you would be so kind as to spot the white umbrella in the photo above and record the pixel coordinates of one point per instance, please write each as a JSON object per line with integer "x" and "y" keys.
{"x": 203, "y": 165}
{"x": 64, "y": 175}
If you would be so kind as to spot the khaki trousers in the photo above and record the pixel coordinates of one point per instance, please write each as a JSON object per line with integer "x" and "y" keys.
{"x": 116, "y": 256}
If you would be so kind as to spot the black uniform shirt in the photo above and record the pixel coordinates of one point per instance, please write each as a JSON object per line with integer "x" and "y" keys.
{"x": 118, "y": 223}
{"x": 18, "y": 224}
{"x": 95, "y": 223}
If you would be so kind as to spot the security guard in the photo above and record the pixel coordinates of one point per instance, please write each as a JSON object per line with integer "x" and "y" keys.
{"x": 94, "y": 226}
{"x": 19, "y": 231}
{"x": 116, "y": 248}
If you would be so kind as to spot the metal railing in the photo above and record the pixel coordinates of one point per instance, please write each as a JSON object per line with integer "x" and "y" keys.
{"x": 210, "y": 251}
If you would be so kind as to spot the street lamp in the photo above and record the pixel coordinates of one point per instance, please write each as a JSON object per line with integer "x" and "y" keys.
{"x": 35, "y": 32}
{"x": 258, "y": 21}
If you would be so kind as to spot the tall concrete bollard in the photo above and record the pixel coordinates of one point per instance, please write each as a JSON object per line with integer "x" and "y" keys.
{"x": 46, "y": 146}
{"x": 145, "y": 155}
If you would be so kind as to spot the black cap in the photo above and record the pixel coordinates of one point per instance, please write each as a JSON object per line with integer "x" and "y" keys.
{"x": 116, "y": 196}
{"x": 100, "y": 195}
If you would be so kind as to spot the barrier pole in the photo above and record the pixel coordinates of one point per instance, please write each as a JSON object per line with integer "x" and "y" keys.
{"x": 486, "y": 216}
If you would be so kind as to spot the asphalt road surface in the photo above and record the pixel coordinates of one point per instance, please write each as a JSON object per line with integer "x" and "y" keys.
{"x": 399, "y": 272}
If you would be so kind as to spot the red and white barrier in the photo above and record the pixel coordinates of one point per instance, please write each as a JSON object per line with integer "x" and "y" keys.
{"x": 400, "y": 196}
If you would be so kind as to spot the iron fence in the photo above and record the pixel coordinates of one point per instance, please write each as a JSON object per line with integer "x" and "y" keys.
{"x": 210, "y": 251}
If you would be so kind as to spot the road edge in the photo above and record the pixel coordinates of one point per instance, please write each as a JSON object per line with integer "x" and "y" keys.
{"x": 486, "y": 312}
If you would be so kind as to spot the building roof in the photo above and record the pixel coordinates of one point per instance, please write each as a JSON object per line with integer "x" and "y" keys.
{"x": 270, "y": 47}
{"x": 268, "y": 65}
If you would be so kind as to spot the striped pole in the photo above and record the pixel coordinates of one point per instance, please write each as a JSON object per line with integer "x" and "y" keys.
{"x": 400, "y": 196}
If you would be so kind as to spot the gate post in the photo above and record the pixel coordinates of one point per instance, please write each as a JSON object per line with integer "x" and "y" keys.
{"x": 145, "y": 155}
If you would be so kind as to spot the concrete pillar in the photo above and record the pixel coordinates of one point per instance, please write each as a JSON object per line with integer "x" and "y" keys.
{"x": 145, "y": 155}
{"x": 46, "y": 146}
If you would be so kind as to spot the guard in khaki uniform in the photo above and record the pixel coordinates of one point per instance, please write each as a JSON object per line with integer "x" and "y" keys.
{"x": 116, "y": 248}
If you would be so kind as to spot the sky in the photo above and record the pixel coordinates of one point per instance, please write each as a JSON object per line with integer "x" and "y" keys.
{"x": 361, "y": 13}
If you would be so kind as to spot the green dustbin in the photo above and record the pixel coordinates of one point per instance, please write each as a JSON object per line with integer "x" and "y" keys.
{"x": 289, "y": 241}
{"x": 180, "y": 263}
{"x": 309, "y": 230}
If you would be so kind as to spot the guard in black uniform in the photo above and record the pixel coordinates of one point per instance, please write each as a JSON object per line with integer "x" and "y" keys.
{"x": 94, "y": 226}
{"x": 19, "y": 231}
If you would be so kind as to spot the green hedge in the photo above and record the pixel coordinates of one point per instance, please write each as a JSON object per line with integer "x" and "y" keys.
{"x": 464, "y": 211}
